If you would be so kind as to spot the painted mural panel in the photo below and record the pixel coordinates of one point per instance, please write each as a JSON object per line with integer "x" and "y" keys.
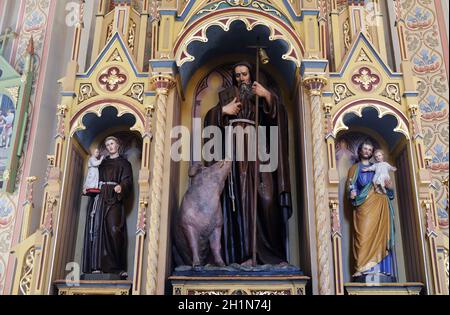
{"x": 32, "y": 21}
{"x": 425, "y": 38}
{"x": 7, "y": 118}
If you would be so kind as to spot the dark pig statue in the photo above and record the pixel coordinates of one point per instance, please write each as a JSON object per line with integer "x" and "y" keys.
{"x": 199, "y": 221}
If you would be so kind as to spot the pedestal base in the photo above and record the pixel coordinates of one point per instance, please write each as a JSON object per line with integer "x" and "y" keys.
{"x": 408, "y": 288}
{"x": 91, "y": 287}
{"x": 239, "y": 285}
{"x": 377, "y": 278}
{"x": 100, "y": 277}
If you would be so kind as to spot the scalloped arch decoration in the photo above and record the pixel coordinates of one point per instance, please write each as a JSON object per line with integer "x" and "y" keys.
{"x": 382, "y": 108}
{"x": 97, "y": 109}
{"x": 278, "y": 31}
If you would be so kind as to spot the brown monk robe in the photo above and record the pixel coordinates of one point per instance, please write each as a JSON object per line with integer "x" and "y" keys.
{"x": 274, "y": 198}
{"x": 105, "y": 233}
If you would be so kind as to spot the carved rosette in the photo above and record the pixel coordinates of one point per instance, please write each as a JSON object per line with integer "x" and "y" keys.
{"x": 314, "y": 85}
{"x": 113, "y": 79}
{"x": 162, "y": 84}
{"x": 366, "y": 79}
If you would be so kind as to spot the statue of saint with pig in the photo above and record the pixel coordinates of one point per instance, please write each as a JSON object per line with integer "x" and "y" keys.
{"x": 216, "y": 218}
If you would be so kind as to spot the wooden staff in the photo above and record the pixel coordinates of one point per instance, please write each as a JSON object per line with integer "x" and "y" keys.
{"x": 259, "y": 53}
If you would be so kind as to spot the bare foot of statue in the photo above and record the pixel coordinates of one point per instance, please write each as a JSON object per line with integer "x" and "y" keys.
{"x": 96, "y": 272}
{"x": 247, "y": 263}
{"x": 283, "y": 264}
{"x": 196, "y": 263}
{"x": 219, "y": 262}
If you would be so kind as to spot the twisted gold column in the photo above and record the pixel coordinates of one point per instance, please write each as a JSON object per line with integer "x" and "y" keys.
{"x": 314, "y": 85}
{"x": 162, "y": 84}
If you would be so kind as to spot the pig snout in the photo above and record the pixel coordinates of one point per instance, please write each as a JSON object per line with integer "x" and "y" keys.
{"x": 220, "y": 170}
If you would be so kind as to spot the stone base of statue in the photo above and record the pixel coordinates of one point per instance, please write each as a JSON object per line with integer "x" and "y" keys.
{"x": 405, "y": 288}
{"x": 93, "y": 287}
{"x": 239, "y": 280}
{"x": 374, "y": 278}
{"x": 101, "y": 276}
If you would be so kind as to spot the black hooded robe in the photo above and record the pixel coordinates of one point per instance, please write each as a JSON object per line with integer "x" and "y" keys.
{"x": 105, "y": 238}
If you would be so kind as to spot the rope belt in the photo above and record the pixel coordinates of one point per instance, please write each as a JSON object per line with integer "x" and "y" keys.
{"x": 231, "y": 192}
{"x": 248, "y": 121}
{"x": 94, "y": 208}
{"x": 108, "y": 183}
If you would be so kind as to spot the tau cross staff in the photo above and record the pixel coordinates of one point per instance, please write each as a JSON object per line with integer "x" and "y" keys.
{"x": 4, "y": 38}
{"x": 261, "y": 57}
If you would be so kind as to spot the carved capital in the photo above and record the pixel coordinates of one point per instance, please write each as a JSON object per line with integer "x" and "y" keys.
{"x": 149, "y": 109}
{"x": 413, "y": 109}
{"x": 428, "y": 161}
{"x": 51, "y": 160}
{"x": 61, "y": 110}
{"x": 315, "y": 83}
{"x": 162, "y": 83}
{"x": 327, "y": 108}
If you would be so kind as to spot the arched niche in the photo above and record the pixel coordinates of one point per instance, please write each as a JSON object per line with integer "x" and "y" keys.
{"x": 201, "y": 94}
{"x": 96, "y": 126}
{"x": 383, "y": 130}
{"x": 195, "y": 47}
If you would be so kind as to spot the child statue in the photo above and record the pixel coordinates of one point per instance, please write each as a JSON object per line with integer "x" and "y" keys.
{"x": 381, "y": 169}
{"x": 91, "y": 185}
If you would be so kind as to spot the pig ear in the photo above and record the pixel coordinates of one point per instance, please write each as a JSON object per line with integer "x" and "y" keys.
{"x": 195, "y": 168}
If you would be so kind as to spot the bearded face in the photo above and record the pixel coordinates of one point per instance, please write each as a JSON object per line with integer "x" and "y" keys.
{"x": 366, "y": 152}
{"x": 243, "y": 79}
{"x": 245, "y": 91}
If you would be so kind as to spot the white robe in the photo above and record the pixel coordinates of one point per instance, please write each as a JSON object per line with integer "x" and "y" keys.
{"x": 92, "y": 175}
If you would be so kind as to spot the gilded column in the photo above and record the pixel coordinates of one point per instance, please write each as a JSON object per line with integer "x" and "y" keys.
{"x": 314, "y": 84}
{"x": 162, "y": 84}
{"x": 144, "y": 193}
